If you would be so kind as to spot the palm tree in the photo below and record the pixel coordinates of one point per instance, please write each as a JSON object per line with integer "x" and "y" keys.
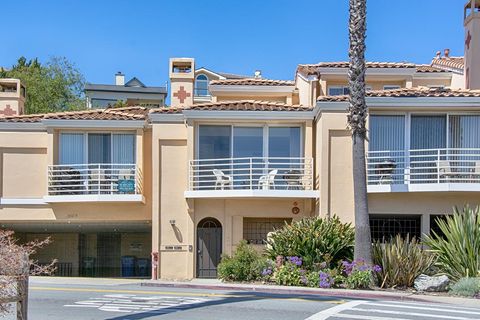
{"x": 357, "y": 115}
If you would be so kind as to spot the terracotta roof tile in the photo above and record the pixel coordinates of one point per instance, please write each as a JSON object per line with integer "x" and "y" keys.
{"x": 455, "y": 64}
{"x": 426, "y": 68}
{"x": 127, "y": 113}
{"x": 240, "y": 105}
{"x": 251, "y": 82}
{"x": 314, "y": 69}
{"x": 411, "y": 93}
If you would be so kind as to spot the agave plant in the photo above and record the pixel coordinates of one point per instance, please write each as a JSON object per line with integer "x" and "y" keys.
{"x": 458, "y": 250}
{"x": 316, "y": 240}
{"x": 402, "y": 260}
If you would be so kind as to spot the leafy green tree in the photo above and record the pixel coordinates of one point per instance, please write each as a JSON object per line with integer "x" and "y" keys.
{"x": 54, "y": 86}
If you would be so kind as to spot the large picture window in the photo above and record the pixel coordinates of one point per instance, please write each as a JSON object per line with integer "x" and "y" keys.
{"x": 83, "y": 148}
{"x": 217, "y": 142}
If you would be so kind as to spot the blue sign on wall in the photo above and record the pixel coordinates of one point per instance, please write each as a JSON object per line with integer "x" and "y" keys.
{"x": 126, "y": 186}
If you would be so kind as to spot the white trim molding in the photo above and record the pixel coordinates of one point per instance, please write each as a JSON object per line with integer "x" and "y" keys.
{"x": 85, "y": 124}
{"x": 223, "y": 194}
{"x": 22, "y": 201}
{"x": 424, "y": 187}
{"x": 96, "y": 198}
{"x": 166, "y": 117}
{"x": 249, "y": 115}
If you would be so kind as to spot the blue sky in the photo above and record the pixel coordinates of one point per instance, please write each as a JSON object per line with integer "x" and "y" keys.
{"x": 138, "y": 37}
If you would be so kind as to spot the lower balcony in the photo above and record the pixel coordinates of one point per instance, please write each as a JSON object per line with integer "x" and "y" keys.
{"x": 100, "y": 182}
{"x": 251, "y": 177}
{"x": 426, "y": 170}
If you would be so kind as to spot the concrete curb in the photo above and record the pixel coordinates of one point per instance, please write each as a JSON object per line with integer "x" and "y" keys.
{"x": 338, "y": 293}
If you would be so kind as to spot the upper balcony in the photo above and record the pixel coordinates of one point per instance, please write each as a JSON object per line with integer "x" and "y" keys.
{"x": 94, "y": 182}
{"x": 427, "y": 170}
{"x": 261, "y": 177}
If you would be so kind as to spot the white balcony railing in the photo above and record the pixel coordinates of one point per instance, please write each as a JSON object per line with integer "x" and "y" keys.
{"x": 426, "y": 166}
{"x": 251, "y": 174}
{"x": 94, "y": 179}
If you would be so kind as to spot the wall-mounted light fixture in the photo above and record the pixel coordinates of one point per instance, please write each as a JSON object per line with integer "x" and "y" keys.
{"x": 172, "y": 222}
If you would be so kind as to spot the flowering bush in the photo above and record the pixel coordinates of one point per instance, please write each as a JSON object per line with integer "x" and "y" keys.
{"x": 290, "y": 274}
{"x": 246, "y": 264}
{"x": 316, "y": 240}
{"x": 358, "y": 274}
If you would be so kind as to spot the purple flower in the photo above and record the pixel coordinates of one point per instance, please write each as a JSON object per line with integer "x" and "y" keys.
{"x": 267, "y": 272}
{"x": 303, "y": 280}
{"x": 326, "y": 281}
{"x": 363, "y": 267}
{"x": 348, "y": 266}
{"x": 377, "y": 268}
{"x": 295, "y": 260}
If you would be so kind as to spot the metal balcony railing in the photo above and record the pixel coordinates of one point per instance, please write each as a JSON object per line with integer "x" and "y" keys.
{"x": 94, "y": 179}
{"x": 251, "y": 174}
{"x": 446, "y": 165}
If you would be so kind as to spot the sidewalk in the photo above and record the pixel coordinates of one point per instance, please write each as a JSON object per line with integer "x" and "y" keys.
{"x": 214, "y": 284}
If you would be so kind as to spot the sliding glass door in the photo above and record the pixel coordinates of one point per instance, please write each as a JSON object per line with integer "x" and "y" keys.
{"x": 387, "y": 156}
{"x": 428, "y": 134}
{"x": 246, "y": 153}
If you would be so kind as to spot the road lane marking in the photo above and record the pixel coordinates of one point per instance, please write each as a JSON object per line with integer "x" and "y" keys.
{"x": 325, "y": 314}
{"x": 401, "y": 313}
{"x": 453, "y": 309}
{"x": 369, "y": 317}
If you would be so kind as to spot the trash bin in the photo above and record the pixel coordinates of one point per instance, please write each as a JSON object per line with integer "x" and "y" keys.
{"x": 128, "y": 266}
{"x": 143, "y": 266}
{"x": 88, "y": 267}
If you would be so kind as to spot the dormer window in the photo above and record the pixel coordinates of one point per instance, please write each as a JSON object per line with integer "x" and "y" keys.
{"x": 201, "y": 86}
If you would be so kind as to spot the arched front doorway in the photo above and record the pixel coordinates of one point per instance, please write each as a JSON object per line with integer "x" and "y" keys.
{"x": 209, "y": 247}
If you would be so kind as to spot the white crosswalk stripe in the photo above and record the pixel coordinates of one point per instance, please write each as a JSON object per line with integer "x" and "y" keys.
{"x": 126, "y": 303}
{"x": 388, "y": 310}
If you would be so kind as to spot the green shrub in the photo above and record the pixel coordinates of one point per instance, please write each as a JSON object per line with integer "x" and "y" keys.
{"x": 316, "y": 240}
{"x": 466, "y": 287}
{"x": 359, "y": 279}
{"x": 458, "y": 251}
{"x": 290, "y": 274}
{"x": 402, "y": 260}
{"x": 246, "y": 264}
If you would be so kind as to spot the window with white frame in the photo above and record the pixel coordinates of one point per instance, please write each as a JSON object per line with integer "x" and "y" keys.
{"x": 338, "y": 90}
{"x": 201, "y": 86}
{"x": 89, "y": 148}
{"x": 343, "y": 90}
{"x": 391, "y": 87}
{"x": 217, "y": 141}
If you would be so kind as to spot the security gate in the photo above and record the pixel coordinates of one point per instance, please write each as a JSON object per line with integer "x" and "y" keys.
{"x": 209, "y": 247}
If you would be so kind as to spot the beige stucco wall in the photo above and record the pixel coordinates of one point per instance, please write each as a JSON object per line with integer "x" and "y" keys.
{"x": 256, "y": 97}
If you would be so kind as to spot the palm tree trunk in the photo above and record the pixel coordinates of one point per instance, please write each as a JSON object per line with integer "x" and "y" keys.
{"x": 357, "y": 123}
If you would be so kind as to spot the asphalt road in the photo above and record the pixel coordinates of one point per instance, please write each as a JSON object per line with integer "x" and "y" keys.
{"x": 128, "y": 300}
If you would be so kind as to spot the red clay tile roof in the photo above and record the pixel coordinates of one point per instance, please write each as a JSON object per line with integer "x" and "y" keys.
{"x": 426, "y": 68}
{"x": 251, "y": 82}
{"x": 314, "y": 69}
{"x": 240, "y": 105}
{"x": 450, "y": 64}
{"x": 410, "y": 93}
{"x": 127, "y": 113}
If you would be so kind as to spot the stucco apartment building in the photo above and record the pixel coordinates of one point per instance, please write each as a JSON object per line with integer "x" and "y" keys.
{"x": 233, "y": 158}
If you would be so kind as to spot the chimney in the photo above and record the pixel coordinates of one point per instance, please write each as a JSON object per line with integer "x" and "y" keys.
{"x": 438, "y": 55}
{"x": 119, "y": 79}
{"x": 258, "y": 74}
{"x": 446, "y": 52}
{"x": 471, "y": 23}
{"x": 182, "y": 78}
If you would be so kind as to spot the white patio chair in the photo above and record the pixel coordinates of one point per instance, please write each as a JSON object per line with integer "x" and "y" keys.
{"x": 267, "y": 180}
{"x": 445, "y": 170}
{"x": 476, "y": 173}
{"x": 222, "y": 179}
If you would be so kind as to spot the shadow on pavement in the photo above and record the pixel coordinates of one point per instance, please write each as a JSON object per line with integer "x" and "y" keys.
{"x": 236, "y": 297}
